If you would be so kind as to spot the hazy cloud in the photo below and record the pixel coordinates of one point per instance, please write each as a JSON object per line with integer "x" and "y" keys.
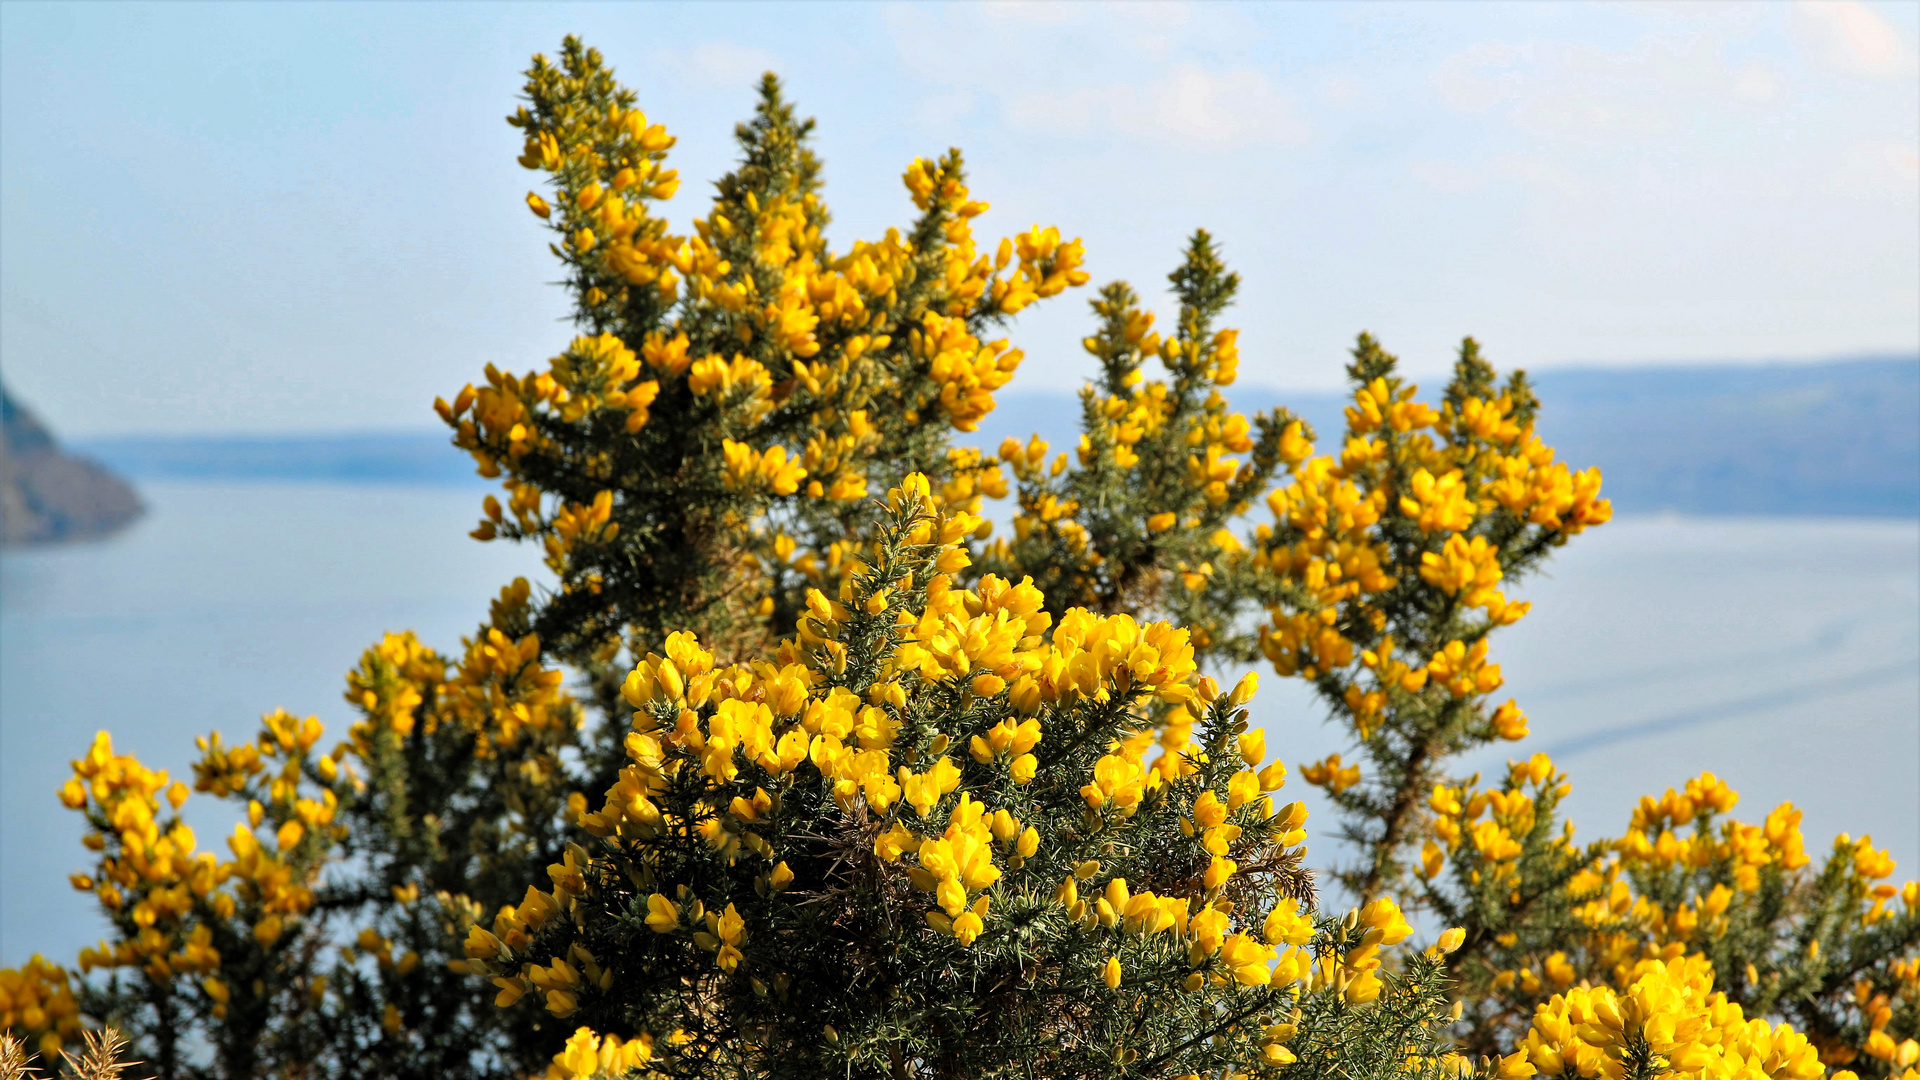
{"x": 725, "y": 63}
{"x": 1458, "y": 178}
{"x": 1880, "y": 168}
{"x": 1480, "y": 77}
{"x": 1033, "y": 12}
{"x": 1854, "y": 38}
{"x": 1050, "y": 67}
{"x": 1756, "y": 82}
{"x": 1188, "y": 107}
{"x": 1653, "y": 88}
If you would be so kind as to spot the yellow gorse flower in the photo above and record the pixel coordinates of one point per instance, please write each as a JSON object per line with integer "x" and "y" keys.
{"x": 1666, "y": 1017}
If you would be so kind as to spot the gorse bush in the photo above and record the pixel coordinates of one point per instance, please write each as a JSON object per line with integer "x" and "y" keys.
{"x": 798, "y": 769}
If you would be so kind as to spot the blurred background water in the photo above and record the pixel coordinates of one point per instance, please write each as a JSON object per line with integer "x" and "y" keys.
{"x": 1781, "y": 653}
{"x": 225, "y": 601}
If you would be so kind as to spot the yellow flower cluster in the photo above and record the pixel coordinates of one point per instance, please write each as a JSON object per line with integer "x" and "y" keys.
{"x": 1331, "y": 774}
{"x": 1354, "y": 971}
{"x": 747, "y": 327}
{"x": 500, "y": 690}
{"x": 959, "y": 863}
{"x": 392, "y": 683}
{"x": 1169, "y": 441}
{"x": 1665, "y": 895}
{"x": 169, "y": 902}
{"x": 36, "y": 1003}
{"x": 1220, "y": 958}
{"x": 1458, "y": 466}
{"x": 1141, "y": 409}
{"x": 1877, "y": 1007}
{"x": 588, "y": 1055}
{"x": 1650, "y": 840}
{"x": 1495, "y": 823}
{"x": 770, "y": 470}
{"x": 165, "y": 897}
{"x": 1667, "y": 1017}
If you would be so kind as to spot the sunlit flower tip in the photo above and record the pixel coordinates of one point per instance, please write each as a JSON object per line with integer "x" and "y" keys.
{"x": 1161, "y": 522}
{"x": 782, "y": 877}
{"x": 1275, "y": 1054}
{"x": 538, "y": 205}
{"x": 663, "y": 915}
{"x": 1450, "y": 940}
{"x": 967, "y": 927}
{"x": 1111, "y": 973}
{"x": 1244, "y": 690}
{"x": 1253, "y": 746}
{"x": 1218, "y": 871}
{"x": 1274, "y": 776}
{"x": 1205, "y": 689}
{"x": 1516, "y": 1066}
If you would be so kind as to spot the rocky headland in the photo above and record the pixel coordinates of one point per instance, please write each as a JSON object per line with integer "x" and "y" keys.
{"x": 49, "y": 496}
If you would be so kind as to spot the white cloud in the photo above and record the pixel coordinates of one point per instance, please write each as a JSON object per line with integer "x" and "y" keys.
{"x": 1154, "y": 72}
{"x": 1447, "y": 177}
{"x": 724, "y": 63}
{"x": 1480, "y": 77}
{"x": 1456, "y": 178}
{"x": 1341, "y": 92}
{"x": 1032, "y": 12}
{"x": 1882, "y": 168}
{"x": 1188, "y": 107}
{"x": 1853, "y": 37}
{"x": 941, "y": 110}
{"x": 1664, "y": 85}
{"x": 1755, "y": 82}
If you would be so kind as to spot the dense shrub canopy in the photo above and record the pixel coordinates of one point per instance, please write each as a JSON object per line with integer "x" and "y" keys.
{"x": 798, "y": 769}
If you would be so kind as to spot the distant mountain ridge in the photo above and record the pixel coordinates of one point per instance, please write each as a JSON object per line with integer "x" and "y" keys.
{"x": 46, "y": 495}
{"x": 373, "y": 457}
{"x": 1837, "y": 439}
{"x": 1814, "y": 439}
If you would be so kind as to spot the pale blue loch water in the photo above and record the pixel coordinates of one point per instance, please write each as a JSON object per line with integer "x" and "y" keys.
{"x": 1783, "y": 654}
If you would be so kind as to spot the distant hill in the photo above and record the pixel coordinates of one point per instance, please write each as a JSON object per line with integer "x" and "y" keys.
{"x": 46, "y": 495}
{"x": 1835, "y": 439}
{"x": 378, "y": 457}
{"x": 1825, "y": 439}
{"x": 1828, "y": 439}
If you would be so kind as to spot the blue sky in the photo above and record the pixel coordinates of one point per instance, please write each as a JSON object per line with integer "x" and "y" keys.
{"x": 276, "y": 218}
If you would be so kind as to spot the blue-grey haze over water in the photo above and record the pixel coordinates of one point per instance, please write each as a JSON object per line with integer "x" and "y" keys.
{"x": 1782, "y": 653}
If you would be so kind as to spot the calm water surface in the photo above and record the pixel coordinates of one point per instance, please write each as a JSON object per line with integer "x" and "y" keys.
{"x": 1782, "y": 654}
